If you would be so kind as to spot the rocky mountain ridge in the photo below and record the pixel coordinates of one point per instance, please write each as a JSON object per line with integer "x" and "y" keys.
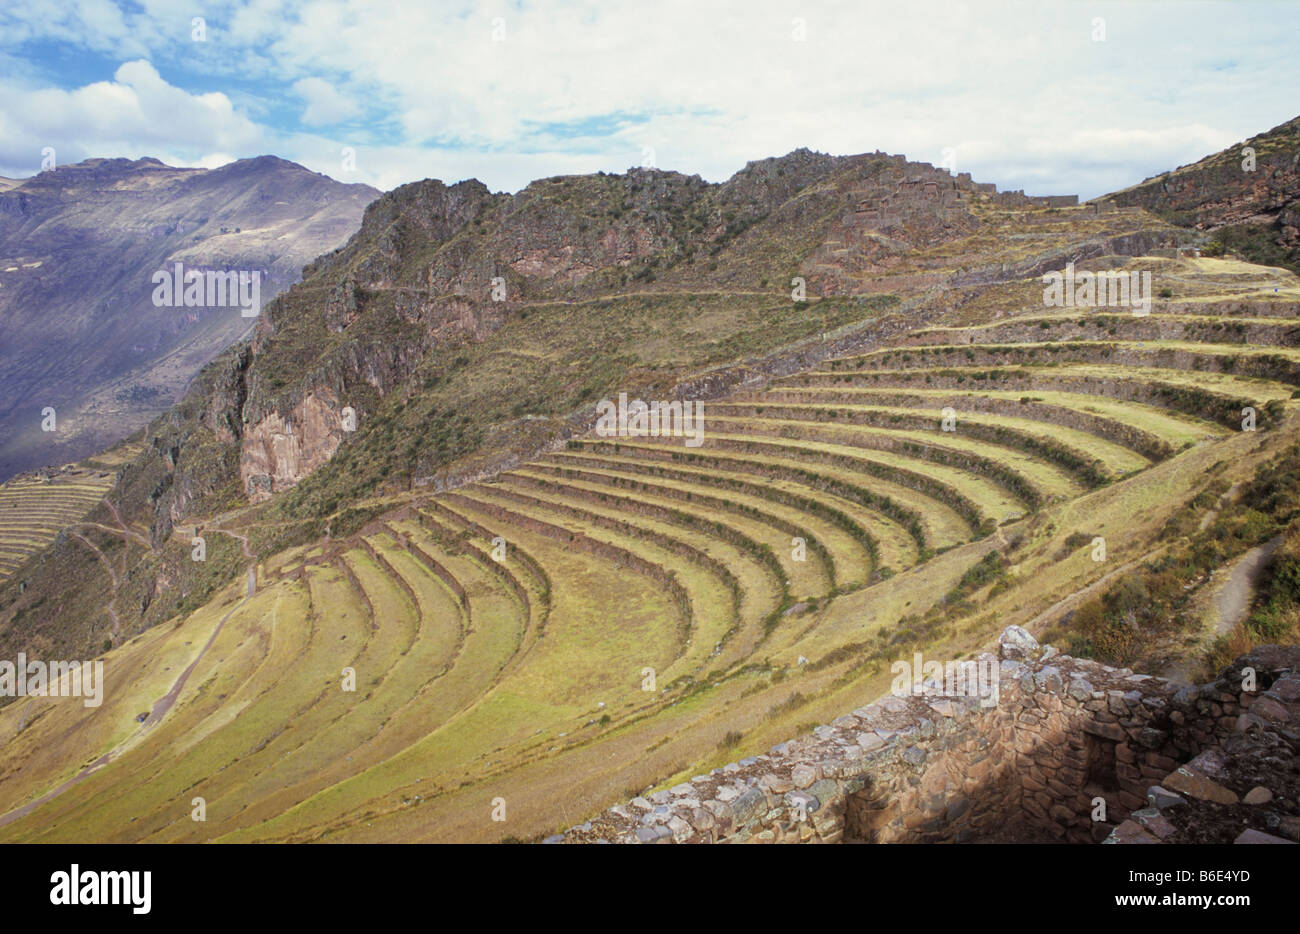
{"x": 460, "y": 331}
{"x": 1248, "y": 195}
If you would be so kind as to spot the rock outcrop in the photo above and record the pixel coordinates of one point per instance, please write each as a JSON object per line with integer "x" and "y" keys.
{"x": 1250, "y": 193}
{"x": 277, "y": 452}
{"x": 1050, "y": 748}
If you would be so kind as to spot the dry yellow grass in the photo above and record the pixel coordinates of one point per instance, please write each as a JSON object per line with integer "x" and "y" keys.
{"x": 638, "y": 615}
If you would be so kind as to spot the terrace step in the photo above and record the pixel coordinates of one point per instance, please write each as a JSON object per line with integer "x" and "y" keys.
{"x": 933, "y": 524}
{"x": 289, "y": 767}
{"x": 1280, "y": 364}
{"x": 751, "y": 533}
{"x": 1033, "y": 481}
{"x": 1210, "y": 410}
{"x": 427, "y": 686}
{"x": 784, "y": 524}
{"x": 234, "y": 743}
{"x": 1121, "y": 447}
{"x": 435, "y": 515}
{"x": 1101, "y": 325}
{"x": 710, "y": 584}
{"x": 513, "y": 573}
{"x": 756, "y": 587}
{"x": 1072, "y": 453}
{"x": 1261, "y": 308}
{"x": 885, "y": 541}
{"x": 978, "y": 500}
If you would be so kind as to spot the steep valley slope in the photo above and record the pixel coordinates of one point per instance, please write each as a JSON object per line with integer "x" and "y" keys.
{"x": 79, "y": 331}
{"x": 431, "y": 595}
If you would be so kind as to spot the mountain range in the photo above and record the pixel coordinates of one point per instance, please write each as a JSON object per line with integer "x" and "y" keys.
{"x": 380, "y": 567}
{"x": 80, "y": 332}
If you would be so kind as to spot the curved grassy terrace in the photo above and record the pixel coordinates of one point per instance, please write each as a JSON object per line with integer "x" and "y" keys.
{"x": 931, "y": 523}
{"x": 1088, "y": 458}
{"x": 33, "y": 512}
{"x": 523, "y": 675}
{"x": 1182, "y": 394}
{"x": 880, "y": 538}
{"x": 1101, "y": 324}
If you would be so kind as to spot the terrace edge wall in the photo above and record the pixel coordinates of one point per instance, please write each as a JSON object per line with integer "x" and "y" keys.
{"x": 1064, "y": 733}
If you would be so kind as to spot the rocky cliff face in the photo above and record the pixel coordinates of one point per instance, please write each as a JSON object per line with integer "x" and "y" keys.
{"x": 79, "y": 330}
{"x": 435, "y": 267}
{"x": 438, "y": 268}
{"x": 1248, "y": 194}
{"x": 279, "y": 451}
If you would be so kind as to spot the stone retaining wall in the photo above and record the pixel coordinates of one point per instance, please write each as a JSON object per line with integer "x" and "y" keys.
{"x": 1067, "y": 751}
{"x": 1245, "y": 789}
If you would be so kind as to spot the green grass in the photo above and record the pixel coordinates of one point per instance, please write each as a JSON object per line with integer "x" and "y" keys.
{"x": 808, "y": 504}
{"x": 622, "y": 556}
{"x": 1115, "y": 458}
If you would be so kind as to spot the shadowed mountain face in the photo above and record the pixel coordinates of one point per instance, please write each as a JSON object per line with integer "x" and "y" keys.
{"x": 462, "y": 331}
{"x": 79, "y": 328}
{"x": 1248, "y": 195}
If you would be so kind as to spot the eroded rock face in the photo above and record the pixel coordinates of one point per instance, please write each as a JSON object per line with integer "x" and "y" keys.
{"x": 1260, "y": 199}
{"x": 279, "y": 451}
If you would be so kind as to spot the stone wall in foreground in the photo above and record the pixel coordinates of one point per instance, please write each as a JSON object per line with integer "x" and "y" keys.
{"x": 1246, "y": 789}
{"x": 1067, "y": 751}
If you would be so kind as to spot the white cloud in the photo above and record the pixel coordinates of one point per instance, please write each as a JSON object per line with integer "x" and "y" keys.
{"x": 1017, "y": 88}
{"x": 136, "y": 114}
{"x": 325, "y": 105}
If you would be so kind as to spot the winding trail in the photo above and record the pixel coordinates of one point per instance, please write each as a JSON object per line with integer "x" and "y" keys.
{"x": 98, "y": 554}
{"x": 126, "y": 530}
{"x": 127, "y": 535}
{"x": 1232, "y": 601}
{"x": 164, "y": 703}
{"x": 1219, "y": 507}
{"x": 1229, "y": 604}
{"x": 1070, "y": 601}
{"x": 110, "y": 529}
{"x": 242, "y": 539}
{"x": 26, "y": 809}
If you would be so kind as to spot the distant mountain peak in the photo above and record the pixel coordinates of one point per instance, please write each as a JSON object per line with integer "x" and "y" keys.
{"x": 90, "y": 235}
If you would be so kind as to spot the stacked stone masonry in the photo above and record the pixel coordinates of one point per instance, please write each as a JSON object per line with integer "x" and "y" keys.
{"x": 1068, "y": 750}
{"x": 1245, "y": 788}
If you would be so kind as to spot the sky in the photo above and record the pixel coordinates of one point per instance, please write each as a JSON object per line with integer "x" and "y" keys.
{"x": 1052, "y": 96}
